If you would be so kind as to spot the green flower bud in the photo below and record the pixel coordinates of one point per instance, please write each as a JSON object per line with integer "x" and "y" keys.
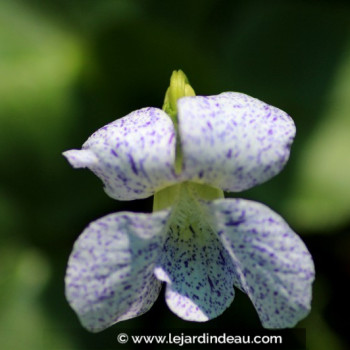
{"x": 179, "y": 87}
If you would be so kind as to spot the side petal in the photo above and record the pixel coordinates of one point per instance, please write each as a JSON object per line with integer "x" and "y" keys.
{"x": 198, "y": 272}
{"x": 245, "y": 141}
{"x": 134, "y": 156}
{"x": 110, "y": 270}
{"x": 81, "y": 158}
{"x": 272, "y": 263}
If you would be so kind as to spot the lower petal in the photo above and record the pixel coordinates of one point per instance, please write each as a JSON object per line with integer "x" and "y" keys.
{"x": 110, "y": 270}
{"x": 197, "y": 269}
{"x": 271, "y": 262}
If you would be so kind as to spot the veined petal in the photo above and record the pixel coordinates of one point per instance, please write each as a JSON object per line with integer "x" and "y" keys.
{"x": 233, "y": 141}
{"x": 197, "y": 269}
{"x": 272, "y": 263}
{"x": 134, "y": 156}
{"x": 110, "y": 270}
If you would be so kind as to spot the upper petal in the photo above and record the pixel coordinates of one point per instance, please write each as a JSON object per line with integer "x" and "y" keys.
{"x": 233, "y": 141}
{"x": 196, "y": 267}
{"x": 134, "y": 156}
{"x": 110, "y": 270}
{"x": 272, "y": 263}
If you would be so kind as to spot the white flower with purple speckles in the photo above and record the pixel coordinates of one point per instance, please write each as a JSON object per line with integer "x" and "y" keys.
{"x": 197, "y": 242}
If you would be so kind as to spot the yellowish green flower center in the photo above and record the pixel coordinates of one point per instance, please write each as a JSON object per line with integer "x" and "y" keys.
{"x": 185, "y": 192}
{"x": 189, "y": 217}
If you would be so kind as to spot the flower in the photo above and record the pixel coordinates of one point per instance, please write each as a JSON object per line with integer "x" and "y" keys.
{"x": 196, "y": 241}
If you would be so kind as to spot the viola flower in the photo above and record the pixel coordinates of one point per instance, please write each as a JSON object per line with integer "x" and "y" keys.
{"x": 197, "y": 242}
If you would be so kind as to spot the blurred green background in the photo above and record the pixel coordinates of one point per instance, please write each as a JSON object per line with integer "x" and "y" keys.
{"x": 69, "y": 67}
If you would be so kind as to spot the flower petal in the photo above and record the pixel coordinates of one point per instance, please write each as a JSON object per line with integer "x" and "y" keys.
{"x": 274, "y": 267}
{"x": 198, "y": 272}
{"x": 110, "y": 271}
{"x": 134, "y": 156}
{"x": 81, "y": 158}
{"x": 246, "y": 141}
